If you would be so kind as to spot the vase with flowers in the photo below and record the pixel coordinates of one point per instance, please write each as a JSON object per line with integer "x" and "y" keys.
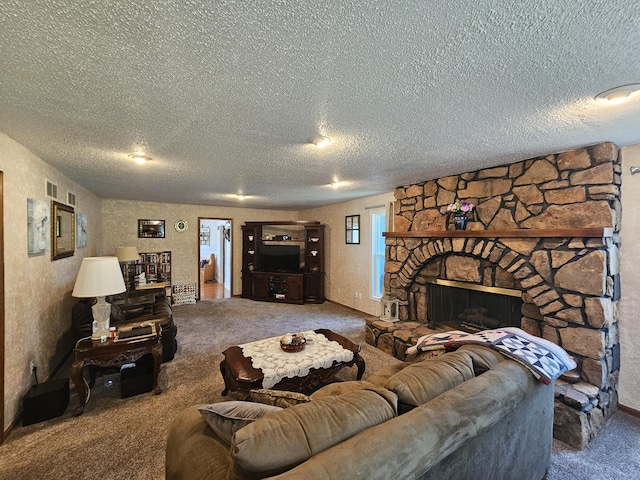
{"x": 460, "y": 211}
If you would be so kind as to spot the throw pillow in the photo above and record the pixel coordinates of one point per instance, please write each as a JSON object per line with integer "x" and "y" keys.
{"x": 226, "y": 418}
{"x": 278, "y": 398}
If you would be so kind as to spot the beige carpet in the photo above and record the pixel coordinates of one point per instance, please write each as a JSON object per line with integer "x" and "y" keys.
{"x": 125, "y": 438}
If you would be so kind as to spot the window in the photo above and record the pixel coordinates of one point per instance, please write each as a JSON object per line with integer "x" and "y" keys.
{"x": 352, "y": 228}
{"x": 378, "y": 224}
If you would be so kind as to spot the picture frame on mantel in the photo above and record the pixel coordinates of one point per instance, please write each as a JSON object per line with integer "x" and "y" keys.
{"x": 352, "y": 229}
{"x": 150, "y": 228}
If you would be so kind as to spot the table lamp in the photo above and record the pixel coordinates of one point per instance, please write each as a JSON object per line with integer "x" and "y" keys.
{"x": 99, "y": 277}
{"x": 127, "y": 255}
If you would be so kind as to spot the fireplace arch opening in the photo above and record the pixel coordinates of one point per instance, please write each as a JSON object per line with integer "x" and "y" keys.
{"x": 463, "y": 292}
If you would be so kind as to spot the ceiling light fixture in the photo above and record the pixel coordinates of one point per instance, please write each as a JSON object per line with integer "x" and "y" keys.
{"x": 139, "y": 158}
{"x": 618, "y": 95}
{"x": 319, "y": 141}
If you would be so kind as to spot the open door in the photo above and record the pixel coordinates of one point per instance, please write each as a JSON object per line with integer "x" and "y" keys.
{"x": 214, "y": 262}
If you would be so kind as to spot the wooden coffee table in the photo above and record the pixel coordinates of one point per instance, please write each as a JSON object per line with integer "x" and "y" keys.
{"x": 110, "y": 353}
{"x": 241, "y": 376}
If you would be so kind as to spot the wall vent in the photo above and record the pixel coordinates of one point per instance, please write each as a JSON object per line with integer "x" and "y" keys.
{"x": 71, "y": 199}
{"x": 51, "y": 189}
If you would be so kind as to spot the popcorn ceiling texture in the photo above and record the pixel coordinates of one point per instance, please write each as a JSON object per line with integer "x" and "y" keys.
{"x": 222, "y": 95}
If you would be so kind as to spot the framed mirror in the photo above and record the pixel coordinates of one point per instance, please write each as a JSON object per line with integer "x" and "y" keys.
{"x": 63, "y": 231}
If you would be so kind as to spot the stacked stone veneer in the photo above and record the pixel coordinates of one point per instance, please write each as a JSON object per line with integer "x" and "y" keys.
{"x": 569, "y": 284}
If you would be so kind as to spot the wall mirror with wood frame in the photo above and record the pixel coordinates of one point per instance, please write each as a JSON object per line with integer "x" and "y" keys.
{"x": 63, "y": 231}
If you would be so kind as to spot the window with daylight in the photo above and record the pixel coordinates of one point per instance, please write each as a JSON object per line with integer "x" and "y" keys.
{"x": 378, "y": 224}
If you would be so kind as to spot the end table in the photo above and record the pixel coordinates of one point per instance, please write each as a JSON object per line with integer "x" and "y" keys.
{"x": 112, "y": 353}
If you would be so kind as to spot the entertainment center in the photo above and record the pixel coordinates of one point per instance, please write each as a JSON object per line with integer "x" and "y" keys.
{"x": 283, "y": 261}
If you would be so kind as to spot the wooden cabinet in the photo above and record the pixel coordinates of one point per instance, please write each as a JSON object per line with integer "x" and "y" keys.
{"x": 277, "y": 287}
{"x": 263, "y": 280}
{"x": 314, "y": 264}
{"x": 251, "y": 235}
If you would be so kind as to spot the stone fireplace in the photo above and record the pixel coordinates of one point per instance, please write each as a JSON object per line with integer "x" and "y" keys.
{"x": 545, "y": 228}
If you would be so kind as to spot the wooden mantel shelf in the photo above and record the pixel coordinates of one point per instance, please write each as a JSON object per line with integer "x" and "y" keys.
{"x": 595, "y": 232}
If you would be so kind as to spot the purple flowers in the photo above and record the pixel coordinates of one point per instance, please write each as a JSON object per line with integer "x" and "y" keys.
{"x": 460, "y": 207}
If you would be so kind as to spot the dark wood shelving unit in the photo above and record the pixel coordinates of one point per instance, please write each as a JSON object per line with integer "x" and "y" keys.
{"x": 304, "y": 286}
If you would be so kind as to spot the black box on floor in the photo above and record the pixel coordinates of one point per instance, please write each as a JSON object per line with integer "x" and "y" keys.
{"x": 45, "y": 401}
{"x": 138, "y": 379}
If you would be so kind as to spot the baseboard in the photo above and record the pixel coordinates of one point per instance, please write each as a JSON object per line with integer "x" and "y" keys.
{"x": 350, "y": 308}
{"x": 629, "y": 410}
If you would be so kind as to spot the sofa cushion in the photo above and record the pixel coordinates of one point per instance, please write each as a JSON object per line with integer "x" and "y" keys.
{"x": 420, "y": 382}
{"x": 340, "y": 388}
{"x": 380, "y": 377}
{"x": 278, "y": 442}
{"x": 225, "y": 418}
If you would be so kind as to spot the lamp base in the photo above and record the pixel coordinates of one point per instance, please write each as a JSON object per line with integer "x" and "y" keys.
{"x": 101, "y": 312}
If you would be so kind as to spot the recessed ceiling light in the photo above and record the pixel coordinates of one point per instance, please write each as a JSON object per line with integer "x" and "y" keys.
{"x": 139, "y": 159}
{"x": 619, "y": 94}
{"x": 319, "y": 141}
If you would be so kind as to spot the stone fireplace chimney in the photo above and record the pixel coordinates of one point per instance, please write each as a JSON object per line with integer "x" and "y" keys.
{"x": 548, "y": 227}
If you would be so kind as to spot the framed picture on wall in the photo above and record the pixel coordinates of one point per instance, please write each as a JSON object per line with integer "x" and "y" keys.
{"x": 352, "y": 228}
{"x": 150, "y": 228}
{"x": 81, "y": 230}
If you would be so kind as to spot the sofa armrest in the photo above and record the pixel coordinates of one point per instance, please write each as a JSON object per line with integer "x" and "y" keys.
{"x": 193, "y": 451}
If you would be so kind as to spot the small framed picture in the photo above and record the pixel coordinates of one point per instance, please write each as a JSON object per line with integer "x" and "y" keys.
{"x": 150, "y": 228}
{"x": 352, "y": 228}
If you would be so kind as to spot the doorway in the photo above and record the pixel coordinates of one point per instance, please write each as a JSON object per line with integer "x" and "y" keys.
{"x": 215, "y": 258}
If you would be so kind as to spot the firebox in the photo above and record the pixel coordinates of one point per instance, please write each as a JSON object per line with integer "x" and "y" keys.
{"x": 471, "y": 307}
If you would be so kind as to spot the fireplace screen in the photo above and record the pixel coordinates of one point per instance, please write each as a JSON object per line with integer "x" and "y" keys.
{"x": 472, "y": 308}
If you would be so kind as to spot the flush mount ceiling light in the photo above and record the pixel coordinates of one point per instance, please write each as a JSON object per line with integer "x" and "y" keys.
{"x": 319, "y": 141}
{"x": 139, "y": 159}
{"x": 619, "y": 94}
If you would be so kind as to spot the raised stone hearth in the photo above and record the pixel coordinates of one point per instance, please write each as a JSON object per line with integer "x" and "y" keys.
{"x": 546, "y": 226}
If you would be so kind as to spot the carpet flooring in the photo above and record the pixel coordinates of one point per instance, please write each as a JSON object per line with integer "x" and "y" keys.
{"x": 125, "y": 438}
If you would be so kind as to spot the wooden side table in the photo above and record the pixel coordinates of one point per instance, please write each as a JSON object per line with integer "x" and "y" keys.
{"x": 113, "y": 354}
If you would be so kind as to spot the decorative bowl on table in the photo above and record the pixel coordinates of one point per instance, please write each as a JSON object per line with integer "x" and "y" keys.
{"x": 293, "y": 342}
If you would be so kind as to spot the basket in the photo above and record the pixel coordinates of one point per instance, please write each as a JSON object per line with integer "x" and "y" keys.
{"x": 292, "y": 348}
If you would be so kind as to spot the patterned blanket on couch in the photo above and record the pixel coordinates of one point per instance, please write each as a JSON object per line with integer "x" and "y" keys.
{"x": 546, "y": 360}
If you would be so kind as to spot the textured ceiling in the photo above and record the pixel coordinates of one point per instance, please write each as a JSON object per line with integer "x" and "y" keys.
{"x": 222, "y": 95}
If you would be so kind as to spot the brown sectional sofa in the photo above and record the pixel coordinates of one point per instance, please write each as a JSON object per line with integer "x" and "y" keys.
{"x": 466, "y": 414}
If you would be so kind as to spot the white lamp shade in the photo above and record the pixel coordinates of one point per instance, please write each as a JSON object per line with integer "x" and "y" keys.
{"x": 99, "y": 276}
{"x": 127, "y": 254}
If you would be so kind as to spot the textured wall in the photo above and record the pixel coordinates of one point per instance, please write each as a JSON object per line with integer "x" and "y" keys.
{"x": 120, "y": 227}
{"x": 629, "y": 390}
{"x": 37, "y": 290}
{"x": 348, "y": 267}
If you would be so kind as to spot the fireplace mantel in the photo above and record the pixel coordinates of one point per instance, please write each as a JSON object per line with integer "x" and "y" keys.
{"x": 595, "y": 232}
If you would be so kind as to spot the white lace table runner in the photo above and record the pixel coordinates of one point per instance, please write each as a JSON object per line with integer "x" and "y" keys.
{"x": 277, "y": 364}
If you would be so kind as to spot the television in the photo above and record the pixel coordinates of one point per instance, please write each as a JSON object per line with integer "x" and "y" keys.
{"x": 280, "y": 258}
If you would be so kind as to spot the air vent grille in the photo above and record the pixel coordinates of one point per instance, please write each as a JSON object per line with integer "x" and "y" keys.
{"x": 51, "y": 190}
